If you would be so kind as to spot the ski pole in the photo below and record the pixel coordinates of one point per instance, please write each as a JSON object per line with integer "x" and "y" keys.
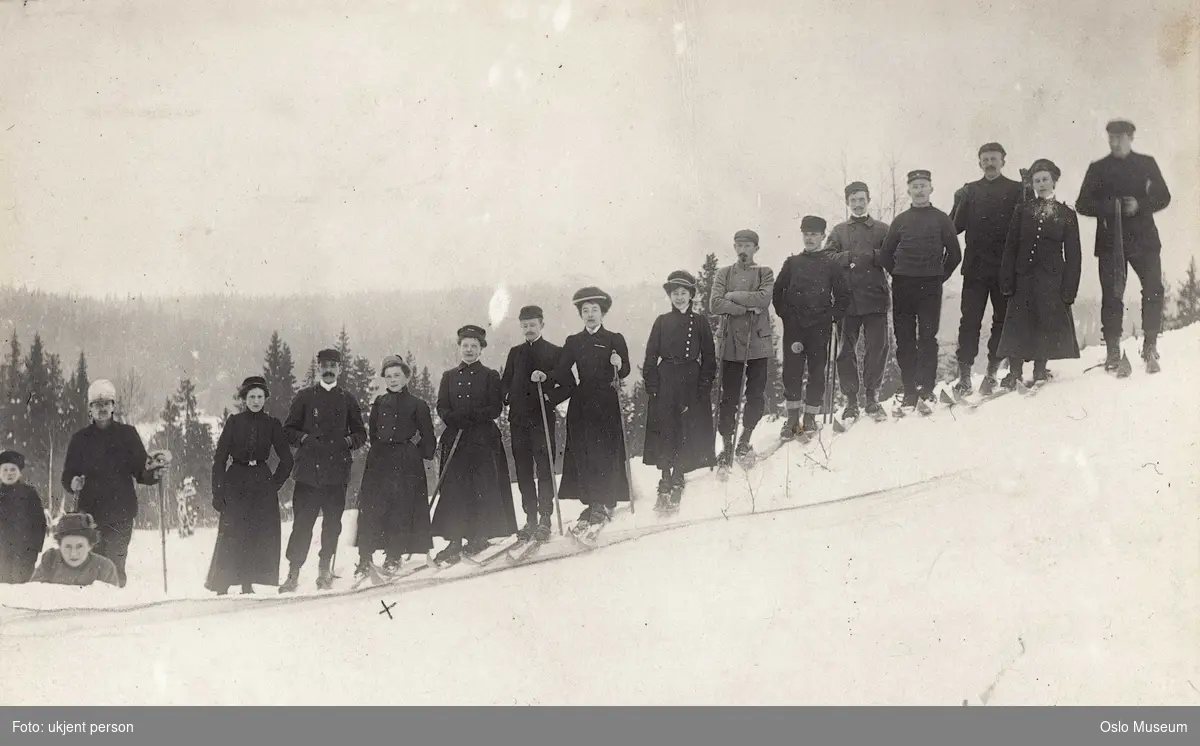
{"x": 437, "y": 488}
{"x": 722, "y": 328}
{"x": 162, "y": 528}
{"x": 549, "y": 455}
{"x": 624, "y": 438}
{"x": 743, "y": 380}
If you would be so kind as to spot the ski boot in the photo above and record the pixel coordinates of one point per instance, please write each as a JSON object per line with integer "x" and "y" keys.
{"x": 451, "y": 555}
{"x": 663, "y": 504}
{"x": 392, "y": 565}
{"x": 324, "y": 574}
{"x": 988, "y": 387}
{"x": 1016, "y": 372}
{"x": 809, "y": 427}
{"x": 541, "y": 534}
{"x": 598, "y": 517}
{"x": 526, "y": 533}
{"x": 907, "y": 404}
{"x": 1040, "y": 373}
{"x": 676, "y": 495}
{"x": 1150, "y": 355}
{"x": 247, "y": 589}
{"x": 725, "y": 459}
{"x": 475, "y": 547}
{"x": 744, "y": 451}
{"x": 851, "y": 411}
{"x": 293, "y": 580}
{"x": 1112, "y": 362}
{"x": 964, "y": 387}
{"x": 791, "y": 428}
{"x": 223, "y": 592}
{"x": 873, "y": 408}
{"x": 925, "y": 402}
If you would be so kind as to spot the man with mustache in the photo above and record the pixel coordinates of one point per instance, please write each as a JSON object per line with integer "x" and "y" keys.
{"x": 326, "y": 425}
{"x": 742, "y": 293}
{"x": 1122, "y": 191}
{"x": 983, "y": 209}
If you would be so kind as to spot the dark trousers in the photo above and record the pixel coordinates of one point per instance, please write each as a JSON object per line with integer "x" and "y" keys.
{"x": 814, "y": 354}
{"x": 114, "y": 543}
{"x": 309, "y": 501}
{"x": 1112, "y": 285}
{"x": 733, "y": 375}
{"x": 975, "y": 296}
{"x": 874, "y": 328}
{"x": 530, "y": 456}
{"x": 916, "y": 315}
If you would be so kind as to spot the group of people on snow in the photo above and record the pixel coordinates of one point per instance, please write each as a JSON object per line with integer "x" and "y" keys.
{"x": 1022, "y": 255}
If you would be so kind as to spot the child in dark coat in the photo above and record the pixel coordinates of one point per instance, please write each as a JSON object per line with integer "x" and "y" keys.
{"x": 22, "y": 521}
{"x": 73, "y": 562}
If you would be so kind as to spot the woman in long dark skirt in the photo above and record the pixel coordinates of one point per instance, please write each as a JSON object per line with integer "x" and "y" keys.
{"x": 246, "y": 494}
{"x": 476, "y": 502}
{"x": 679, "y": 370}
{"x": 1040, "y": 272}
{"x": 594, "y": 457}
{"x": 393, "y": 501}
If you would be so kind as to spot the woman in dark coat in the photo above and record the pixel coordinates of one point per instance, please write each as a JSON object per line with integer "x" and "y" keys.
{"x": 22, "y": 521}
{"x": 1040, "y": 273}
{"x": 594, "y": 457}
{"x": 246, "y": 494}
{"x": 393, "y": 501}
{"x": 476, "y": 502}
{"x": 679, "y": 370}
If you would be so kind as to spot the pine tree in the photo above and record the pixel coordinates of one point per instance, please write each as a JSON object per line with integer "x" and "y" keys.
{"x": 358, "y": 381}
{"x": 189, "y": 440}
{"x": 1187, "y": 305}
{"x": 280, "y": 376}
{"x": 704, "y": 285}
{"x": 40, "y": 404}
{"x": 14, "y": 422}
{"x": 310, "y": 378}
{"x": 75, "y": 409}
{"x": 426, "y": 387}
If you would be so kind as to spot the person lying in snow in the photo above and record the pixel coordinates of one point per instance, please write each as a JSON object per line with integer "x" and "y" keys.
{"x": 73, "y": 562}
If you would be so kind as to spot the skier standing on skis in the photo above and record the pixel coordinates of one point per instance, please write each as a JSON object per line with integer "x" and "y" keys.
{"x": 246, "y": 494}
{"x": 326, "y": 425}
{"x": 920, "y": 252}
{"x": 741, "y": 294}
{"x": 1040, "y": 274}
{"x": 594, "y": 457}
{"x": 476, "y": 502}
{"x": 810, "y": 295}
{"x": 855, "y": 246}
{"x": 679, "y": 370}
{"x": 983, "y": 209}
{"x": 1122, "y": 191}
{"x": 528, "y": 365}
{"x": 104, "y": 461}
{"x": 393, "y": 501}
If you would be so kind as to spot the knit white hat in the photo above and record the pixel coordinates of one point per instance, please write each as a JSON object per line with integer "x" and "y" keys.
{"x": 102, "y": 390}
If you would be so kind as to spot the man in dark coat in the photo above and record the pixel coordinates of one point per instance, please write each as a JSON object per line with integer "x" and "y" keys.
{"x": 1122, "y": 191}
{"x": 679, "y": 369}
{"x": 810, "y": 295}
{"x": 326, "y": 426}
{"x": 529, "y": 364}
{"x": 983, "y": 209}
{"x": 22, "y": 521}
{"x": 476, "y": 502}
{"x": 104, "y": 461}
{"x": 855, "y": 245}
{"x": 921, "y": 252}
{"x": 741, "y": 294}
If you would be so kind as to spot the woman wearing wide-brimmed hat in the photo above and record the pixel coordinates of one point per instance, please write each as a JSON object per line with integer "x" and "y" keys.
{"x": 594, "y": 458}
{"x": 393, "y": 501}
{"x": 1040, "y": 274}
{"x": 246, "y": 494}
{"x": 476, "y": 503}
{"x": 679, "y": 370}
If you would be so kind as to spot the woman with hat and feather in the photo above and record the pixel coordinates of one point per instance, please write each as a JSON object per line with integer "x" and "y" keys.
{"x": 393, "y": 501}
{"x": 246, "y": 494}
{"x": 679, "y": 370}
{"x": 1040, "y": 275}
{"x": 594, "y": 459}
{"x": 476, "y": 502}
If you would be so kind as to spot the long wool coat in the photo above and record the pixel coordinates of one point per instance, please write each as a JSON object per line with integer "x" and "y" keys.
{"x": 594, "y": 458}
{"x": 246, "y": 493}
{"x": 393, "y": 501}
{"x": 476, "y": 500}
{"x": 679, "y": 369}
{"x": 1040, "y": 270}
{"x": 22, "y": 532}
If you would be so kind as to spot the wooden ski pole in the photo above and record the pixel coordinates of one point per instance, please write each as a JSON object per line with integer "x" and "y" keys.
{"x": 624, "y": 438}
{"x": 549, "y": 455}
{"x": 442, "y": 474}
{"x": 162, "y": 526}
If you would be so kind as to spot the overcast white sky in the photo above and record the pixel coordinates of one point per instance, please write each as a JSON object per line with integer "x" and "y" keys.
{"x": 265, "y": 146}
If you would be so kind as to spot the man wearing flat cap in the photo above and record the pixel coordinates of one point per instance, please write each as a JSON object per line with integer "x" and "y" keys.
{"x": 920, "y": 252}
{"x": 326, "y": 426}
{"x": 528, "y": 365}
{"x": 855, "y": 246}
{"x": 983, "y": 210}
{"x": 809, "y": 296}
{"x": 741, "y": 295}
{"x": 1122, "y": 191}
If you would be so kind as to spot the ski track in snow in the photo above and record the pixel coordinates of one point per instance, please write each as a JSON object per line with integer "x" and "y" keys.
{"x": 1038, "y": 550}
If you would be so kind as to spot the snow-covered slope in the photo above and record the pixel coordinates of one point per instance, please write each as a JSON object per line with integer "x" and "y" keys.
{"x": 1040, "y": 550}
